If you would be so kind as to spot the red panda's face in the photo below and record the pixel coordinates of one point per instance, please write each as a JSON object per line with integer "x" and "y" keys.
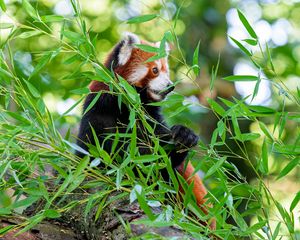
{"x": 132, "y": 65}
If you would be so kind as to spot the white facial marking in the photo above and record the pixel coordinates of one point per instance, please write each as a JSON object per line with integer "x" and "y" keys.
{"x": 155, "y": 96}
{"x": 139, "y": 73}
{"x": 158, "y": 64}
{"x": 160, "y": 83}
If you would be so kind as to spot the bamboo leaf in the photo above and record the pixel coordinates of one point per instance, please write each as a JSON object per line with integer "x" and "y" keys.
{"x": 289, "y": 167}
{"x": 252, "y": 42}
{"x": 144, "y": 206}
{"x": 266, "y": 131}
{"x": 44, "y": 60}
{"x": 196, "y": 69}
{"x": 295, "y": 201}
{"x": 52, "y": 18}
{"x": 93, "y": 102}
{"x": 218, "y": 164}
{"x": 240, "y": 78}
{"x": 2, "y": 5}
{"x": 29, "y": 34}
{"x": 245, "y": 50}
{"x": 32, "y": 89}
{"x": 29, "y": 9}
{"x": 214, "y": 73}
{"x": 6, "y": 25}
{"x": 142, "y": 18}
{"x": 51, "y": 213}
{"x": 216, "y": 107}
{"x": 147, "y": 48}
{"x": 76, "y": 147}
{"x": 146, "y": 158}
{"x": 264, "y": 156}
{"x": 246, "y": 24}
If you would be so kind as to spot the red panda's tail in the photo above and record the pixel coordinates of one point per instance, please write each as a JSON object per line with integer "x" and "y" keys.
{"x": 199, "y": 189}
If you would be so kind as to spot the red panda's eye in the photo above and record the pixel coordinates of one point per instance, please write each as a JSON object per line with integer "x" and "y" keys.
{"x": 155, "y": 70}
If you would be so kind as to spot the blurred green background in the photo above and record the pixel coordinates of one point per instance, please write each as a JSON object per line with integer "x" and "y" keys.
{"x": 210, "y": 22}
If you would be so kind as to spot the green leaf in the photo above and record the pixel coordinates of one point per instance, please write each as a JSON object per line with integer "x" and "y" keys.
{"x": 146, "y": 158}
{"x": 19, "y": 117}
{"x": 148, "y": 48}
{"x": 6, "y": 25}
{"x": 266, "y": 131}
{"x": 256, "y": 227}
{"x": 51, "y": 213}
{"x": 82, "y": 165}
{"x": 249, "y": 136}
{"x": 52, "y": 18}
{"x": 219, "y": 162}
{"x": 6, "y": 229}
{"x": 289, "y": 167}
{"x": 131, "y": 118}
{"x": 196, "y": 69}
{"x": 72, "y": 59}
{"x": 102, "y": 153}
{"x": 136, "y": 190}
{"x": 216, "y": 107}
{"x": 131, "y": 92}
{"x": 245, "y": 50}
{"x": 29, "y": 9}
{"x": 74, "y": 36}
{"x": 25, "y": 202}
{"x": 246, "y": 24}
{"x": 32, "y": 89}
{"x": 44, "y": 60}
{"x": 133, "y": 142}
{"x": 276, "y": 231}
{"x": 214, "y": 73}
{"x": 74, "y": 105}
{"x": 32, "y": 222}
{"x": 5, "y": 211}
{"x": 236, "y": 126}
{"x": 92, "y": 103}
{"x": 142, "y": 18}
{"x": 179, "y": 110}
{"x": 144, "y": 206}
{"x": 270, "y": 57}
{"x": 239, "y": 78}
{"x": 76, "y": 147}
{"x": 264, "y": 156}
{"x": 255, "y": 91}
{"x": 262, "y": 109}
{"x": 2, "y": 5}
{"x": 252, "y": 42}
{"x": 80, "y": 91}
{"x": 156, "y": 57}
{"x": 295, "y": 201}
{"x": 221, "y": 129}
{"x": 29, "y": 34}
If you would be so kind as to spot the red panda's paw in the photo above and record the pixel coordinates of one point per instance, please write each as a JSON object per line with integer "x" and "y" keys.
{"x": 184, "y": 137}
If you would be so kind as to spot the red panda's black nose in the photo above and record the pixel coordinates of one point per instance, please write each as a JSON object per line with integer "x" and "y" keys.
{"x": 170, "y": 88}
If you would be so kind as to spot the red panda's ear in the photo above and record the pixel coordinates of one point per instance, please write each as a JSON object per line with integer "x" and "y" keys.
{"x": 128, "y": 43}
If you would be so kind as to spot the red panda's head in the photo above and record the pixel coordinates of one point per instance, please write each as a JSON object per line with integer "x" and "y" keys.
{"x": 130, "y": 62}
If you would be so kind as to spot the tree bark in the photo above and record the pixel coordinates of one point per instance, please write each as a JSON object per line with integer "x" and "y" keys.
{"x": 73, "y": 225}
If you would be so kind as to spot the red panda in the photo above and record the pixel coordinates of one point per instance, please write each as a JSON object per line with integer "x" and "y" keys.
{"x": 152, "y": 82}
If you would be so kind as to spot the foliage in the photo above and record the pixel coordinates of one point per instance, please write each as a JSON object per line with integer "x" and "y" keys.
{"x": 33, "y": 138}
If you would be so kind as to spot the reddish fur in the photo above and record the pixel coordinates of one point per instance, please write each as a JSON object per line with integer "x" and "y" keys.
{"x": 97, "y": 86}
